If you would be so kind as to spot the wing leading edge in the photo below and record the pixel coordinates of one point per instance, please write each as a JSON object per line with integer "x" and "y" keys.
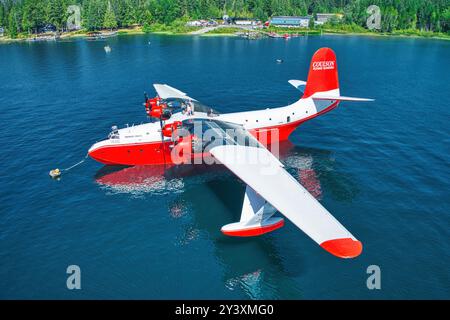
{"x": 272, "y": 182}
{"x": 167, "y": 92}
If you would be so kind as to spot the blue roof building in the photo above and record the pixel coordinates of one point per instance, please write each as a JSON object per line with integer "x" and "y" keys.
{"x": 288, "y": 21}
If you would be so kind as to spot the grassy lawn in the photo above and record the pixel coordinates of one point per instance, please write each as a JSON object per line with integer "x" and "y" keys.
{"x": 225, "y": 30}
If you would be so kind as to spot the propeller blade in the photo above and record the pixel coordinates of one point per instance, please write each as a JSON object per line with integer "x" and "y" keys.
{"x": 162, "y": 140}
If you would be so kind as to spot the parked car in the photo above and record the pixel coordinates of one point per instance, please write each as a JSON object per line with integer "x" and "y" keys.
{"x": 47, "y": 28}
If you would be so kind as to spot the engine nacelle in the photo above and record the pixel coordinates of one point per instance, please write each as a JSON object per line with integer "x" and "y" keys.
{"x": 160, "y": 112}
{"x": 156, "y": 112}
{"x": 170, "y": 128}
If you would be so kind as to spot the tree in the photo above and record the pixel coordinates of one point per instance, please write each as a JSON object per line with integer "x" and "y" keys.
{"x": 56, "y": 13}
{"x": 12, "y": 24}
{"x": 446, "y": 20}
{"x": 2, "y": 15}
{"x": 259, "y": 13}
{"x": 389, "y": 19}
{"x": 33, "y": 15}
{"x": 125, "y": 13}
{"x": 429, "y": 15}
{"x": 93, "y": 15}
{"x": 109, "y": 21}
{"x": 311, "y": 23}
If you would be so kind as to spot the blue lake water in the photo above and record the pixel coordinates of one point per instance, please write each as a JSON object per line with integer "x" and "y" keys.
{"x": 381, "y": 168}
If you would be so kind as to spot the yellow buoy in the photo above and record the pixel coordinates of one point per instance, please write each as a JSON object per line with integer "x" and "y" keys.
{"x": 55, "y": 173}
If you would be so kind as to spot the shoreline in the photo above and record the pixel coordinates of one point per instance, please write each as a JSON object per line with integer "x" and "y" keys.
{"x": 390, "y": 35}
{"x": 140, "y": 31}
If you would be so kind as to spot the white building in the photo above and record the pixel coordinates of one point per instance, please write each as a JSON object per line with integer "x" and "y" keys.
{"x": 247, "y": 22}
{"x": 325, "y": 17}
{"x": 201, "y": 23}
{"x": 195, "y": 23}
{"x": 2, "y": 31}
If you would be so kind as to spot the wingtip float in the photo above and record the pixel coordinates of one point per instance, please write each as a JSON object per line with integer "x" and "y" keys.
{"x": 152, "y": 144}
{"x": 343, "y": 248}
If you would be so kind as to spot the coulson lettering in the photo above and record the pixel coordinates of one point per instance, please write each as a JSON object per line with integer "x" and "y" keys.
{"x": 323, "y": 65}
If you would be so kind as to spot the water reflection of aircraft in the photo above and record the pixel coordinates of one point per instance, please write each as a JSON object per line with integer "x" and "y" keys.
{"x": 188, "y": 131}
{"x": 248, "y": 266}
{"x": 158, "y": 177}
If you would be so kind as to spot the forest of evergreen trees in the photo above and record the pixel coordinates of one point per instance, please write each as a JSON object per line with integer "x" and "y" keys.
{"x": 27, "y": 16}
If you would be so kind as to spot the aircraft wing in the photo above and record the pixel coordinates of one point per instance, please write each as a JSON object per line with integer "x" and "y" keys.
{"x": 167, "y": 92}
{"x": 265, "y": 174}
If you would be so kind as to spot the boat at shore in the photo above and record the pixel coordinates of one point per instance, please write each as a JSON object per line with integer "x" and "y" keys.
{"x": 97, "y": 35}
{"x": 44, "y": 37}
{"x": 250, "y": 35}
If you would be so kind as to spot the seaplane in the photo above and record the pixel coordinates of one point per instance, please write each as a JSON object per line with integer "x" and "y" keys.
{"x": 185, "y": 131}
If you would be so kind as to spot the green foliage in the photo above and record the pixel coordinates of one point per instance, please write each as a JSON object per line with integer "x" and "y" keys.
{"x": 311, "y": 23}
{"x": 94, "y": 14}
{"x": 109, "y": 21}
{"x": 345, "y": 28}
{"x": 176, "y": 27}
{"x": 2, "y": 15}
{"x": 396, "y": 15}
{"x": 226, "y": 30}
{"x": 57, "y": 13}
{"x": 34, "y": 15}
{"x": 12, "y": 24}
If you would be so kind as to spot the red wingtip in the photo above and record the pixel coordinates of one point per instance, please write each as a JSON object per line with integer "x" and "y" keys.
{"x": 343, "y": 248}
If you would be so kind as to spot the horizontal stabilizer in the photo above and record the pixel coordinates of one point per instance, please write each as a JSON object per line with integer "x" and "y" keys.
{"x": 298, "y": 84}
{"x": 320, "y": 96}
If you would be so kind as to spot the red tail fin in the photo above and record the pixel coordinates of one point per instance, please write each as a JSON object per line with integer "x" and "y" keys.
{"x": 323, "y": 74}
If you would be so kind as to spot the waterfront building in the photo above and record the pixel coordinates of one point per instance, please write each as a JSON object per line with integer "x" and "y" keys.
{"x": 290, "y": 21}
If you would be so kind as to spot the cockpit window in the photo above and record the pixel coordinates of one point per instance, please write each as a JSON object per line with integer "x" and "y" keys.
{"x": 197, "y": 106}
{"x": 200, "y": 107}
{"x": 213, "y": 133}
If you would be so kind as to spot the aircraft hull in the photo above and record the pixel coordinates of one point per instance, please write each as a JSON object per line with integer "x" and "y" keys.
{"x": 154, "y": 153}
{"x": 157, "y": 152}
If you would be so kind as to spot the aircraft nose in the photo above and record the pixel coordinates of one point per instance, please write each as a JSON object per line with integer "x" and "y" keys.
{"x": 94, "y": 151}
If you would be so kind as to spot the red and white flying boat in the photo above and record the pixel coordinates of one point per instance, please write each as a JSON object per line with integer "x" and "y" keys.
{"x": 240, "y": 141}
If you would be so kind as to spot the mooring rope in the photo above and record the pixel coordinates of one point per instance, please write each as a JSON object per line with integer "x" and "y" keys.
{"x": 56, "y": 173}
{"x": 76, "y": 164}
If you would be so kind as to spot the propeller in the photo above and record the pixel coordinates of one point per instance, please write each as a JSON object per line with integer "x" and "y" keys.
{"x": 164, "y": 115}
{"x": 162, "y": 139}
{"x": 163, "y": 112}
